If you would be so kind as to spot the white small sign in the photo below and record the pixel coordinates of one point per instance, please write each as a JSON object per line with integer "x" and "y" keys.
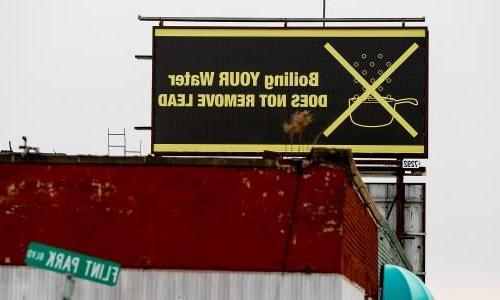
{"x": 411, "y": 164}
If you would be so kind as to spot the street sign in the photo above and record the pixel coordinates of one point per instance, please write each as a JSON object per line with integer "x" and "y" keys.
{"x": 248, "y": 90}
{"x": 76, "y": 264}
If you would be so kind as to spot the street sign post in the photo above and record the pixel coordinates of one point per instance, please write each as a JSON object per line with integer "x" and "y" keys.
{"x": 72, "y": 263}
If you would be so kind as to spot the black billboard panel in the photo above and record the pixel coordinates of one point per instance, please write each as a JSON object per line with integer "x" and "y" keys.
{"x": 247, "y": 90}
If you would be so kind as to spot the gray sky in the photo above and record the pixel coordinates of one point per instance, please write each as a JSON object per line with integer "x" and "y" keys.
{"x": 67, "y": 73}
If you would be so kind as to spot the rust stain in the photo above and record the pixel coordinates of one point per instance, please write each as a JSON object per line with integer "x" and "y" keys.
{"x": 280, "y": 217}
{"x": 12, "y": 190}
{"x": 328, "y": 229}
{"x": 102, "y": 190}
{"x": 246, "y": 182}
{"x": 46, "y": 188}
{"x": 331, "y": 222}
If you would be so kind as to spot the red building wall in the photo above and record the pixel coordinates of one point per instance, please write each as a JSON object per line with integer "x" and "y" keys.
{"x": 192, "y": 217}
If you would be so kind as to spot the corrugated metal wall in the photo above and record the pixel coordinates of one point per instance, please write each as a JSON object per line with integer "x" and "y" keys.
{"x": 414, "y": 246}
{"x": 26, "y": 283}
{"x": 355, "y": 218}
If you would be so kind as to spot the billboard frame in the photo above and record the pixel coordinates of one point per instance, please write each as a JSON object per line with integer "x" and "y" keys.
{"x": 382, "y": 154}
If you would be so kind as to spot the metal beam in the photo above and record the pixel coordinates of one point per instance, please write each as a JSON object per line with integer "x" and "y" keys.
{"x": 400, "y": 204}
{"x": 280, "y": 20}
{"x": 139, "y": 56}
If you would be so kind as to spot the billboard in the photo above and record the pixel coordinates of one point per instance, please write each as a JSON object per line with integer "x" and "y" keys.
{"x": 247, "y": 90}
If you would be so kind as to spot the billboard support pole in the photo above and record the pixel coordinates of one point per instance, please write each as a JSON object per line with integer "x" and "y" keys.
{"x": 324, "y": 12}
{"x": 400, "y": 202}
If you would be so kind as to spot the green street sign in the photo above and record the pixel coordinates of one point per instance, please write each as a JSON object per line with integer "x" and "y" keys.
{"x": 76, "y": 264}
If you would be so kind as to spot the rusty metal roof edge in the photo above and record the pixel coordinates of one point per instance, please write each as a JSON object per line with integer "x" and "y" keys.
{"x": 134, "y": 160}
{"x": 382, "y": 225}
{"x": 268, "y": 159}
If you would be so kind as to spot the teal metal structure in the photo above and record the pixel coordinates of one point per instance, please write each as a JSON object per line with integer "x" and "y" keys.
{"x": 401, "y": 284}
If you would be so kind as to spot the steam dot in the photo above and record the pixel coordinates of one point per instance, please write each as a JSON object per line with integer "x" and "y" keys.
{"x": 355, "y": 81}
{"x": 380, "y": 72}
{"x": 380, "y": 88}
{"x": 372, "y": 80}
{"x": 380, "y": 56}
{"x": 389, "y": 80}
{"x": 389, "y": 96}
{"x": 355, "y": 96}
{"x": 372, "y": 64}
{"x": 364, "y": 72}
{"x": 356, "y": 64}
{"x": 363, "y": 56}
{"x": 388, "y": 63}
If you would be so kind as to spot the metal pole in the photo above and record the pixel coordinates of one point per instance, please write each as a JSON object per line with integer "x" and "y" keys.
{"x": 124, "y": 143}
{"x": 324, "y": 12}
{"x": 400, "y": 202}
{"x": 108, "y": 141}
{"x": 69, "y": 288}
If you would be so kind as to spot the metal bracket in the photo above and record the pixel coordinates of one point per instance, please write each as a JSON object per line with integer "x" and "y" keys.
{"x": 143, "y": 57}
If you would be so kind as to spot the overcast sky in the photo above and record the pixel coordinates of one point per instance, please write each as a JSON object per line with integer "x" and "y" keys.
{"x": 67, "y": 73}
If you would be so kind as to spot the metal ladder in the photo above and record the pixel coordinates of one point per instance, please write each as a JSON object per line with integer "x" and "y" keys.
{"x": 124, "y": 145}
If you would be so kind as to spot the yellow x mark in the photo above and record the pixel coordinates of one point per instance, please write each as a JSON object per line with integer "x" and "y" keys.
{"x": 370, "y": 89}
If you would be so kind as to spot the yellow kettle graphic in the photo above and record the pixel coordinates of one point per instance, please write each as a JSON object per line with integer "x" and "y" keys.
{"x": 371, "y": 114}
